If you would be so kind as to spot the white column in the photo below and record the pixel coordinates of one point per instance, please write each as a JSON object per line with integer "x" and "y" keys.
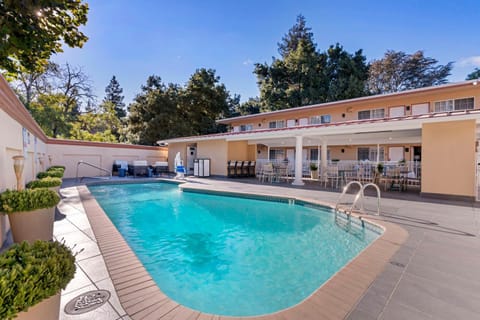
{"x": 298, "y": 161}
{"x": 268, "y": 153}
{"x": 323, "y": 172}
{"x": 318, "y": 157}
{"x": 378, "y": 153}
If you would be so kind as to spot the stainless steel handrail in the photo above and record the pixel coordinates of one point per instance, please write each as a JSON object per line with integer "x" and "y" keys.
{"x": 93, "y": 166}
{"x": 360, "y": 195}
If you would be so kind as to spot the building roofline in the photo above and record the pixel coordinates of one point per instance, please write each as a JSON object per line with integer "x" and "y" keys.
{"x": 351, "y": 101}
{"x": 439, "y": 116}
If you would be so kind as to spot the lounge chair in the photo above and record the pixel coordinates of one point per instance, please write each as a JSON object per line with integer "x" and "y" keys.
{"x": 138, "y": 168}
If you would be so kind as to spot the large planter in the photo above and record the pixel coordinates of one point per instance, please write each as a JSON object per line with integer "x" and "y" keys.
{"x": 314, "y": 174}
{"x": 32, "y": 225}
{"x": 46, "y": 309}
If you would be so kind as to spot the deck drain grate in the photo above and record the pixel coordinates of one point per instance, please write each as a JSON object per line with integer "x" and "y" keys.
{"x": 398, "y": 264}
{"x": 87, "y": 302}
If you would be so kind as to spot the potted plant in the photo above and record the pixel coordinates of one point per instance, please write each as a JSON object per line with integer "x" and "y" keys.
{"x": 55, "y": 173}
{"x": 51, "y": 183}
{"x": 33, "y": 274}
{"x": 31, "y": 213}
{"x": 313, "y": 170}
{"x": 378, "y": 173}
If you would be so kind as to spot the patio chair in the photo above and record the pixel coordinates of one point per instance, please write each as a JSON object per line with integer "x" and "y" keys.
{"x": 267, "y": 173}
{"x": 332, "y": 177}
{"x": 231, "y": 168}
{"x": 244, "y": 170}
{"x": 138, "y": 168}
{"x": 160, "y": 167}
{"x": 251, "y": 169}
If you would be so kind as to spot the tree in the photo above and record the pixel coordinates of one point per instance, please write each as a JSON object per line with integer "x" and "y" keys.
{"x": 299, "y": 32}
{"x": 205, "y": 100}
{"x": 113, "y": 94}
{"x": 155, "y": 113}
{"x": 48, "y": 110}
{"x": 346, "y": 74}
{"x": 101, "y": 125}
{"x": 251, "y": 106}
{"x": 167, "y": 111}
{"x": 304, "y": 76}
{"x": 398, "y": 71}
{"x": 475, "y": 74}
{"x": 31, "y": 31}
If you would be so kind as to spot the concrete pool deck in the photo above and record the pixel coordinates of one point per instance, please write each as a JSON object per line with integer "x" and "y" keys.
{"x": 435, "y": 274}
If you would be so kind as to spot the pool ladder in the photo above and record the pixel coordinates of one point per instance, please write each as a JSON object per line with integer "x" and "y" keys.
{"x": 360, "y": 196}
{"x": 96, "y": 167}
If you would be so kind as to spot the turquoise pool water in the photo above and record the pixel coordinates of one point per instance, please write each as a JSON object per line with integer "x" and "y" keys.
{"x": 227, "y": 255}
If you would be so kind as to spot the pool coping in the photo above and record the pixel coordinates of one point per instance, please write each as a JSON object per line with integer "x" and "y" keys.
{"x": 142, "y": 298}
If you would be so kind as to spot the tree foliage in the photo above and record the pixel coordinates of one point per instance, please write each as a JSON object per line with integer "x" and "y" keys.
{"x": 475, "y": 74}
{"x": 166, "y": 111}
{"x": 113, "y": 94}
{"x": 399, "y": 71}
{"x": 31, "y": 31}
{"x": 99, "y": 125}
{"x": 303, "y": 75}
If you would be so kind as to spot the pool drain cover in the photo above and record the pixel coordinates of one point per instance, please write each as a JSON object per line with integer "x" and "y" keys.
{"x": 87, "y": 302}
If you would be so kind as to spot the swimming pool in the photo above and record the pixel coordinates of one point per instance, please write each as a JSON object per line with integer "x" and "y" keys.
{"x": 228, "y": 255}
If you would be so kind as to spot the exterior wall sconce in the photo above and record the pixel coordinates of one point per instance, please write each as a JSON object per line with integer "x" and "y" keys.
{"x": 407, "y": 149}
{"x": 407, "y": 108}
{"x": 50, "y": 158}
{"x": 343, "y": 150}
{"x": 18, "y": 164}
{"x": 343, "y": 115}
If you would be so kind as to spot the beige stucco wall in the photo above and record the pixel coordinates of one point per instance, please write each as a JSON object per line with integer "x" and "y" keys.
{"x": 11, "y": 144}
{"x": 101, "y": 156}
{"x": 448, "y": 158}
{"x": 217, "y": 151}
{"x": 239, "y": 150}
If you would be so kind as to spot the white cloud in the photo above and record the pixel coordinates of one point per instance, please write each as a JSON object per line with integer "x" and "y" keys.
{"x": 469, "y": 61}
{"x": 247, "y": 62}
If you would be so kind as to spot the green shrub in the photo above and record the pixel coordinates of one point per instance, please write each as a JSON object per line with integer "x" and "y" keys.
{"x": 47, "y": 182}
{"x": 313, "y": 166}
{"x": 27, "y": 200}
{"x": 51, "y": 173}
{"x": 56, "y": 167}
{"x": 30, "y": 273}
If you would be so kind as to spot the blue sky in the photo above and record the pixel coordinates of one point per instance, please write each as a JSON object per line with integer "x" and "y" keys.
{"x": 171, "y": 39}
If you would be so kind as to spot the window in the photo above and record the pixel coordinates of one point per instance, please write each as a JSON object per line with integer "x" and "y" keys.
{"x": 369, "y": 154}
{"x": 246, "y": 127}
{"x": 313, "y": 154}
{"x": 451, "y": 105}
{"x": 371, "y": 114}
{"x": 277, "y": 154}
{"x": 320, "y": 119}
{"x": 276, "y": 124}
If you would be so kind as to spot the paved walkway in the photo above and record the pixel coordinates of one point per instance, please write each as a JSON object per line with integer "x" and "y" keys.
{"x": 434, "y": 275}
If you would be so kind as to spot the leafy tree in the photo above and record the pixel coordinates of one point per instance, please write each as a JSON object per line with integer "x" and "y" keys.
{"x": 48, "y": 112}
{"x": 155, "y": 113}
{"x": 167, "y": 111}
{"x": 398, "y": 71}
{"x": 475, "y": 74}
{"x": 101, "y": 125}
{"x": 31, "y": 31}
{"x": 251, "y": 106}
{"x": 205, "y": 100}
{"x": 305, "y": 76}
{"x": 346, "y": 74}
{"x": 113, "y": 94}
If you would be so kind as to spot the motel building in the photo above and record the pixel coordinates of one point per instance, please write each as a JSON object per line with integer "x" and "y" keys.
{"x": 428, "y": 136}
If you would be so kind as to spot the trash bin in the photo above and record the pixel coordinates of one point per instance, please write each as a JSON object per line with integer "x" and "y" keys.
{"x": 150, "y": 172}
{"x": 122, "y": 172}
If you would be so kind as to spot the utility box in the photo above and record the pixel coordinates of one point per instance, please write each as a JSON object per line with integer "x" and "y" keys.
{"x": 201, "y": 168}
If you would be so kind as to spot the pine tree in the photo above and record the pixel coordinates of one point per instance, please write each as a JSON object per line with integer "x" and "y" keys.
{"x": 113, "y": 94}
